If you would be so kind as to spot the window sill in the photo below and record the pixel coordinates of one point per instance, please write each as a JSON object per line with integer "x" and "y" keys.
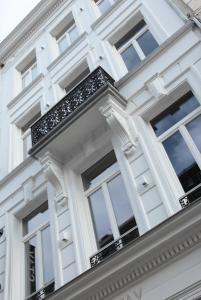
{"x": 25, "y": 91}
{"x": 66, "y": 52}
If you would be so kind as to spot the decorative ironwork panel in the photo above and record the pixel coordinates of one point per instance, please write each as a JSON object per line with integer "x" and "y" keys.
{"x": 69, "y": 104}
{"x": 42, "y": 293}
{"x": 114, "y": 247}
{"x": 191, "y": 196}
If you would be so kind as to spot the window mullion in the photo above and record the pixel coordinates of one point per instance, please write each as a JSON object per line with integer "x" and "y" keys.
{"x": 39, "y": 260}
{"x": 110, "y": 211}
{"x": 191, "y": 145}
{"x": 138, "y": 49}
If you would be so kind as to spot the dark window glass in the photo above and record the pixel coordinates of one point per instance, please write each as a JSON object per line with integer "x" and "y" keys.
{"x": 100, "y": 218}
{"x": 93, "y": 174}
{"x": 48, "y": 270}
{"x": 194, "y": 128}
{"x": 31, "y": 265}
{"x": 122, "y": 208}
{"x": 130, "y": 34}
{"x": 182, "y": 160}
{"x": 35, "y": 219}
{"x": 130, "y": 57}
{"x": 147, "y": 42}
{"x": 174, "y": 113}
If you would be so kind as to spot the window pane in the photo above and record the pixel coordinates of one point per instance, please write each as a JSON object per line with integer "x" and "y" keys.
{"x": 130, "y": 57}
{"x": 104, "y": 5}
{"x": 73, "y": 33}
{"x": 147, "y": 42}
{"x": 48, "y": 270}
{"x": 194, "y": 128}
{"x": 34, "y": 72}
{"x": 38, "y": 217}
{"x": 121, "y": 205}
{"x": 32, "y": 267}
{"x": 100, "y": 218}
{"x": 183, "y": 162}
{"x": 63, "y": 44}
{"x": 174, "y": 113}
{"x": 98, "y": 172}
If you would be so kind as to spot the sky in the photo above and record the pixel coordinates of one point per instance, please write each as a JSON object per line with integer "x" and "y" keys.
{"x": 12, "y": 12}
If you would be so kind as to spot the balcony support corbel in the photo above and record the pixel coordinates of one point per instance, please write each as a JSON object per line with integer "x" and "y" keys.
{"x": 115, "y": 117}
{"x": 53, "y": 171}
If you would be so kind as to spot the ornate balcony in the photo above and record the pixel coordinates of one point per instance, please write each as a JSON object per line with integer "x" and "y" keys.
{"x": 66, "y": 109}
{"x": 191, "y": 196}
{"x": 114, "y": 246}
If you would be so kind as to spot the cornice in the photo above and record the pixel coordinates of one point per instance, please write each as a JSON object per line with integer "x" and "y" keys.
{"x": 167, "y": 242}
{"x": 29, "y": 25}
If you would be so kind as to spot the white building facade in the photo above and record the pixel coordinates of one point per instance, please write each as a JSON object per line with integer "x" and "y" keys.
{"x": 100, "y": 170}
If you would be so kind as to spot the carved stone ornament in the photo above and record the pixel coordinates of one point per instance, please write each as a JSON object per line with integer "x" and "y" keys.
{"x": 156, "y": 87}
{"x": 53, "y": 171}
{"x": 115, "y": 118}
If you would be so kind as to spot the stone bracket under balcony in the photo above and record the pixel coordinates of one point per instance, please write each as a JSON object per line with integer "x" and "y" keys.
{"x": 68, "y": 122}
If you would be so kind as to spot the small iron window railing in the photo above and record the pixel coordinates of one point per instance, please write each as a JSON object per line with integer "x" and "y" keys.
{"x": 114, "y": 246}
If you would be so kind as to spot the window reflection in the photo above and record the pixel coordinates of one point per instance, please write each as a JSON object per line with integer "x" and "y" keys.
{"x": 174, "y": 113}
{"x": 147, "y": 42}
{"x": 182, "y": 160}
{"x": 38, "y": 250}
{"x": 130, "y": 57}
{"x": 194, "y": 128}
{"x": 121, "y": 205}
{"x": 111, "y": 211}
{"x": 36, "y": 218}
{"x": 32, "y": 268}
{"x": 100, "y": 219}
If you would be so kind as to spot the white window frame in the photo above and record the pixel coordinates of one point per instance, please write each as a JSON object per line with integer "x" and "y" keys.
{"x": 28, "y": 73}
{"x": 133, "y": 41}
{"x": 66, "y": 35}
{"x": 180, "y": 127}
{"x": 102, "y": 184}
{"x": 37, "y": 232}
{"x": 26, "y": 142}
{"x": 111, "y": 2}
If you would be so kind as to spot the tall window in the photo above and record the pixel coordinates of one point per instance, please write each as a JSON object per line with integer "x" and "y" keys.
{"x": 178, "y": 128}
{"x": 29, "y": 74}
{"x": 110, "y": 208}
{"x": 38, "y": 251}
{"x": 104, "y": 5}
{"x": 67, "y": 36}
{"x": 136, "y": 45}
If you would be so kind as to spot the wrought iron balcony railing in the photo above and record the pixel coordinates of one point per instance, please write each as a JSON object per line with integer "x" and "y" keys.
{"x": 42, "y": 293}
{"x": 114, "y": 246}
{"x": 191, "y": 196}
{"x": 65, "y": 109}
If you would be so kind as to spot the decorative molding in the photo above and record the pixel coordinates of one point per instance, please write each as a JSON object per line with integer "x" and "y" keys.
{"x": 115, "y": 117}
{"x": 171, "y": 240}
{"x": 53, "y": 171}
{"x": 156, "y": 87}
{"x": 30, "y": 25}
{"x": 149, "y": 266}
{"x": 28, "y": 189}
